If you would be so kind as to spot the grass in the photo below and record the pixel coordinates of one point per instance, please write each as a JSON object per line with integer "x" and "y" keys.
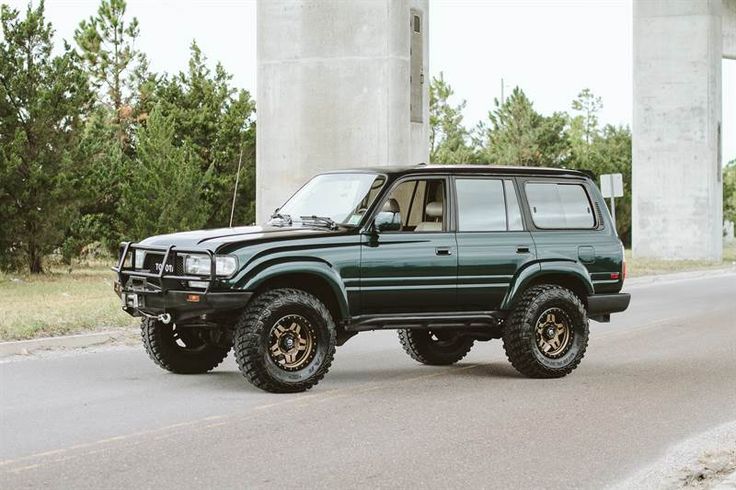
{"x": 64, "y": 302}
{"x": 59, "y": 303}
{"x": 650, "y": 267}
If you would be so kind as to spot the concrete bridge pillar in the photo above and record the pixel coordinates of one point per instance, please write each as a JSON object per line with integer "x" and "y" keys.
{"x": 677, "y": 177}
{"x": 340, "y": 84}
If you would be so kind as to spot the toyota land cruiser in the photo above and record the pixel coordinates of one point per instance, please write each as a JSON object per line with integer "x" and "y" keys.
{"x": 447, "y": 255}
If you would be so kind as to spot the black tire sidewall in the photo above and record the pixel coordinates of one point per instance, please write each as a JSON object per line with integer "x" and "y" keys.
{"x": 558, "y": 299}
{"x": 324, "y": 342}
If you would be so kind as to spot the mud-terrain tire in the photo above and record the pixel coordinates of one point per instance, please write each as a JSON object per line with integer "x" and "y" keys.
{"x": 546, "y": 334}
{"x": 285, "y": 341}
{"x": 434, "y": 349}
{"x": 181, "y": 351}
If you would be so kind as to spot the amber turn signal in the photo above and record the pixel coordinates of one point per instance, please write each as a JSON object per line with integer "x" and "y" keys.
{"x": 193, "y": 298}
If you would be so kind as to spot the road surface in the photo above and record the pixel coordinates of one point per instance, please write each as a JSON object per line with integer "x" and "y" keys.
{"x": 660, "y": 373}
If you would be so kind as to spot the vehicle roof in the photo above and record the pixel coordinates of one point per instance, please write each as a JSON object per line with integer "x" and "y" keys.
{"x": 465, "y": 169}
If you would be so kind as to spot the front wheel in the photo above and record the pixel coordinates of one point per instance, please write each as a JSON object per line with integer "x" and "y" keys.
{"x": 435, "y": 348}
{"x": 285, "y": 341}
{"x": 546, "y": 333}
{"x": 184, "y": 350}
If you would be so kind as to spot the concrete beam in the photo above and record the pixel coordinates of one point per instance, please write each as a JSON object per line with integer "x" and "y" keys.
{"x": 677, "y": 188}
{"x": 334, "y": 90}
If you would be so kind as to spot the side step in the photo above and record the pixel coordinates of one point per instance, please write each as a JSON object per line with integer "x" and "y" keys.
{"x": 467, "y": 320}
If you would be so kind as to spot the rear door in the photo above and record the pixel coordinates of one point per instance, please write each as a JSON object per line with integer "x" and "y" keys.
{"x": 567, "y": 224}
{"x": 492, "y": 241}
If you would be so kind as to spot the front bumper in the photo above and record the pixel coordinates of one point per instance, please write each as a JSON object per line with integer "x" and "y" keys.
{"x": 600, "y": 306}
{"x": 149, "y": 293}
{"x": 181, "y": 305}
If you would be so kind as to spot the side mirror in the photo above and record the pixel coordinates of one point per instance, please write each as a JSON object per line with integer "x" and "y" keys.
{"x": 387, "y": 221}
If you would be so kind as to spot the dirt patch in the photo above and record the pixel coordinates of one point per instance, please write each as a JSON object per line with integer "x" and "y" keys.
{"x": 710, "y": 469}
{"x": 700, "y": 462}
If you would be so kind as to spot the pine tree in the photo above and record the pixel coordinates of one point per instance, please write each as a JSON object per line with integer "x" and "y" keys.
{"x": 164, "y": 190}
{"x": 42, "y": 101}
{"x": 450, "y": 141}
{"x": 519, "y": 135}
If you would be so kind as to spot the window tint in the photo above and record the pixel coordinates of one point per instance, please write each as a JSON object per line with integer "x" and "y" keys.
{"x": 512, "y": 207}
{"x": 559, "y": 205}
{"x": 480, "y": 205}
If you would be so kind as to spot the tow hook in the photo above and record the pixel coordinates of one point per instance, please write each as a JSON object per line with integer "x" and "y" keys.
{"x": 165, "y": 318}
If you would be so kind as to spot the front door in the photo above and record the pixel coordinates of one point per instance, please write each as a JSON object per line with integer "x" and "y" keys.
{"x": 412, "y": 269}
{"x": 492, "y": 242}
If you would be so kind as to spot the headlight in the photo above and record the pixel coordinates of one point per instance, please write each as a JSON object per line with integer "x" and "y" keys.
{"x": 140, "y": 258}
{"x": 199, "y": 265}
{"x": 225, "y": 265}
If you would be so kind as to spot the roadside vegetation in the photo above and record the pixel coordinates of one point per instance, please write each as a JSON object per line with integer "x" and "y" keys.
{"x": 637, "y": 267}
{"x": 59, "y": 302}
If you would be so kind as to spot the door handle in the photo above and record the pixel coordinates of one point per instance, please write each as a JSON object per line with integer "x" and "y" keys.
{"x": 522, "y": 250}
{"x": 443, "y": 251}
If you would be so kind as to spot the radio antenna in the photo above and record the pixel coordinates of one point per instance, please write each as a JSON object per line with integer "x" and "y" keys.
{"x": 235, "y": 191}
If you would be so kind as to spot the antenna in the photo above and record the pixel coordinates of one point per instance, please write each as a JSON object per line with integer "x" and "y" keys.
{"x": 235, "y": 191}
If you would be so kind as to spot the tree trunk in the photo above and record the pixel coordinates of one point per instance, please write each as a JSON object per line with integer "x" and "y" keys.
{"x": 34, "y": 262}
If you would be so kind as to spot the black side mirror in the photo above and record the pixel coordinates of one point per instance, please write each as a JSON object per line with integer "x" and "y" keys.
{"x": 387, "y": 221}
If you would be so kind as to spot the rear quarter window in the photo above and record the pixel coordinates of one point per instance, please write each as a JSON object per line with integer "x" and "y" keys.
{"x": 559, "y": 206}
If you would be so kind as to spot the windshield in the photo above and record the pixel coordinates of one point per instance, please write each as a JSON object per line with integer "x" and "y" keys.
{"x": 343, "y": 198}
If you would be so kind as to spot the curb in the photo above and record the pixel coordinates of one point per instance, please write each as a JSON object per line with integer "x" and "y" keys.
{"x": 26, "y": 347}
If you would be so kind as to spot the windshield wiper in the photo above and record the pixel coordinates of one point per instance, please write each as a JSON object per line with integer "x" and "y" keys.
{"x": 285, "y": 218}
{"x": 321, "y": 220}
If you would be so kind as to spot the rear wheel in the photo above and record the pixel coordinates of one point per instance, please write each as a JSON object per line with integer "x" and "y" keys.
{"x": 184, "y": 350}
{"x": 547, "y": 332}
{"x": 435, "y": 348}
{"x": 285, "y": 341}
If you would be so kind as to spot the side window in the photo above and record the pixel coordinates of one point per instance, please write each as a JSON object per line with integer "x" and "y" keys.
{"x": 559, "y": 205}
{"x": 480, "y": 205}
{"x": 420, "y": 203}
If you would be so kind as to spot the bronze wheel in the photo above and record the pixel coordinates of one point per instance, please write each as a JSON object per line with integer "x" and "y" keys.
{"x": 546, "y": 333}
{"x": 553, "y": 333}
{"x": 292, "y": 342}
{"x": 285, "y": 340}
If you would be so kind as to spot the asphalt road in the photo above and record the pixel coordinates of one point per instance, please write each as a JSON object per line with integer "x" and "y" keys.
{"x": 662, "y": 372}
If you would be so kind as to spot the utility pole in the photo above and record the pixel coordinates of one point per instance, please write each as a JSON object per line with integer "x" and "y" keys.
{"x": 502, "y": 95}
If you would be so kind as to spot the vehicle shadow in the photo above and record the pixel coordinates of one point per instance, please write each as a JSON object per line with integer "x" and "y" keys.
{"x": 342, "y": 377}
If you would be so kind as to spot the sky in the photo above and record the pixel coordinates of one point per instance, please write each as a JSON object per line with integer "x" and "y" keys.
{"x": 552, "y": 49}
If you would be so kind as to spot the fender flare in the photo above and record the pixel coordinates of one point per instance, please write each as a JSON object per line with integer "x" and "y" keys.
{"x": 533, "y": 272}
{"x": 316, "y": 268}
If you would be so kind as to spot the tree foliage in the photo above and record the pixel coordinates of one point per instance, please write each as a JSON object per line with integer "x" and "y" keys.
{"x": 729, "y": 191}
{"x": 163, "y": 191}
{"x": 449, "y": 140}
{"x": 217, "y": 122}
{"x": 117, "y": 69}
{"x": 43, "y": 98}
{"x": 516, "y": 134}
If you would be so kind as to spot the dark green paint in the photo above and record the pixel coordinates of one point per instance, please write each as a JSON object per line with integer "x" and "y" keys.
{"x": 372, "y": 272}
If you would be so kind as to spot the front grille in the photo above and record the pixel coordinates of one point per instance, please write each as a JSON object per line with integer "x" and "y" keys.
{"x": 151, "y": 259}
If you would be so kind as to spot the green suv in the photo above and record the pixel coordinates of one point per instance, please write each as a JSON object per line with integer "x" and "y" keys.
{"x": 447, "y": 255}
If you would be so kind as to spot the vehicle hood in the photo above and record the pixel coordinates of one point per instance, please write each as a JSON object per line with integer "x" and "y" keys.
{"x": 218, "y": 238}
